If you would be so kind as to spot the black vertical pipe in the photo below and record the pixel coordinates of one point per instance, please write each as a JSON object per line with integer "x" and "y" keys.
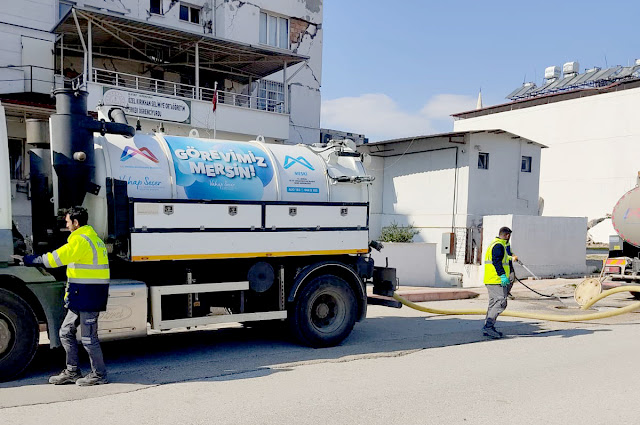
{"x": 68, "y": 137}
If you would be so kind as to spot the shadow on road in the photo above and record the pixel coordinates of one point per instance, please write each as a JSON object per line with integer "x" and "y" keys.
{"x": 239, "y": 353}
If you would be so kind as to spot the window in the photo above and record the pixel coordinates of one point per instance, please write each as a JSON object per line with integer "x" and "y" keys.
{"x": 526, "y": 164}
{"x": 63, "y": 8}
{"x": 271, "y": 96}
{"x": 155, "y": 6}
{"x": 483, "y": 161}
{"x": 16, "y": 159}
{"x": 189, "y": 14}
{"x": 274, "y": 30}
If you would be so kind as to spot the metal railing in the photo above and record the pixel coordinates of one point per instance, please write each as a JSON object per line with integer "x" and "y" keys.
{"x": 173, "y": 88}
{"x": 36, "y": 79}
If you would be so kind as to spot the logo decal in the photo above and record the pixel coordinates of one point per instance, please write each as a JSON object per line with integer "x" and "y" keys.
{"x": 129, "y": 152}
{"x": 289, "y": 161}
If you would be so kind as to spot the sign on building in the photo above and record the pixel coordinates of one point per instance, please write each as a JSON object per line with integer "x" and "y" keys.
{"x": 149, "y": 106}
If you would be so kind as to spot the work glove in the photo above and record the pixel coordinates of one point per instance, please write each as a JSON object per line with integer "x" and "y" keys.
{"x": 515, "y": 258}
{"x": 32, "y": 260}
{"x": 504, "y": 280}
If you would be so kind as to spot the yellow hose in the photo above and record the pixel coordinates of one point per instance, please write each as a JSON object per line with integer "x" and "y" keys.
{"x": 549, "y": 317}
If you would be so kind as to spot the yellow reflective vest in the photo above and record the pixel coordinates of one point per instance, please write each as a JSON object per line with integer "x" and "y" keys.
{"x": 85, "y": 256}
{"x": 491, "y": 276}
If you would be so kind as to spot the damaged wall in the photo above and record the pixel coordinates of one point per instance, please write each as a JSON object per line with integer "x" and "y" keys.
{"x": 239, "y": 20}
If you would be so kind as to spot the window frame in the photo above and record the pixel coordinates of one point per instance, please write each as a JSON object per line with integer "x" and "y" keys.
{"x": 190, "y": 9}
{"x": 483, "y": 165}
{"x": 525, "y": 166}
{"x": 160, "y": 11}
{"x": 278, "y": 36}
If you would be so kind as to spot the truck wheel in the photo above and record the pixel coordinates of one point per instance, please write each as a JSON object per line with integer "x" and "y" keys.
{"x": 324, "y": 312}
{"x": 19, "y": 335}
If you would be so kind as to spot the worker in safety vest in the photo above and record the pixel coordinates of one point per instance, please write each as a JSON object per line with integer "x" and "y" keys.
{"x": 497, "y": 270}
{"x": 85, "y": 256}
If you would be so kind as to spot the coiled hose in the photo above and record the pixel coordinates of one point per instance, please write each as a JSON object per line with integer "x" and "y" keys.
{"x": 542, "y": 316}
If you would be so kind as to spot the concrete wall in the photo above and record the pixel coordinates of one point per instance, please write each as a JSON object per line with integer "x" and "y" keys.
{"x": 414, "y": 262}
{"x": 548, "y": 246}
{"x": 592, "y": 157}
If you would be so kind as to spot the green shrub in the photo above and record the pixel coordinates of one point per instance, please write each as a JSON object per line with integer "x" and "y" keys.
{"x": 395, "y": 233}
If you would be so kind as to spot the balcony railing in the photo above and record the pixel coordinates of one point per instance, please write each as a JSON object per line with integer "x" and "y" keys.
{"x": 34, "y": 79}
{"x": 172, "y": 88}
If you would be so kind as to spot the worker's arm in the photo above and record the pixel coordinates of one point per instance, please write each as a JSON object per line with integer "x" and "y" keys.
{"x": 497, "y": 253}
{"x": 512, "y": 257}
{"x": 60, "y": 257}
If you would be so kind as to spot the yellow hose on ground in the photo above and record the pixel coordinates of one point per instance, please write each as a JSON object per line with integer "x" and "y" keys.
{"x": 542, "y": 316}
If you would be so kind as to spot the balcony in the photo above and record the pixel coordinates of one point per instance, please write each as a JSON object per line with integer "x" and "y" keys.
{"x": 163, "y": 87}
{"x": 33, "y": 79}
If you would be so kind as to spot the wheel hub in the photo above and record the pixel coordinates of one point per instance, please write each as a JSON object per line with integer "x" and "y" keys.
{"x": 5, "y": 336}
{"x": 322, "y": 311}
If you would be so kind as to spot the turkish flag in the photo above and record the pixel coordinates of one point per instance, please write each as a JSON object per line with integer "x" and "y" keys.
{"x": 214, "y": 100}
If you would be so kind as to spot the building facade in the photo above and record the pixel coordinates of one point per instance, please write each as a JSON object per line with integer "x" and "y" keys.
{"x": 444, "y": 185}
{"x": 591, "y": 132}
{"x": 228, "y": 69}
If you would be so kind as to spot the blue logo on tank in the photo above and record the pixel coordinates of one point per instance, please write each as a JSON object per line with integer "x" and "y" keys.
{"x": 289, "y": 161}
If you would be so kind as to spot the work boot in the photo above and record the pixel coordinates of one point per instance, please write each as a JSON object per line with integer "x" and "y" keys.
{"x": 65, "y": 377}
{"x": 492, "y": 333}
{"x": 92, "y": 378}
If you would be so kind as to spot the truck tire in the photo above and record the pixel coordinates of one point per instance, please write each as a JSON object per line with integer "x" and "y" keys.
{"x": 19, "y": 335}
{"x": 324, "y": 312}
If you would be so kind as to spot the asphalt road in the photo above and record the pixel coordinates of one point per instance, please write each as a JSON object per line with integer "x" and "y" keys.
{"x": 397, "y": 367}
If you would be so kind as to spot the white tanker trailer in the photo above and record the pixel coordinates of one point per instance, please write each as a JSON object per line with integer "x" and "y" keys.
{"x": 199, "y": 232}
{"x": 623, "y": 261}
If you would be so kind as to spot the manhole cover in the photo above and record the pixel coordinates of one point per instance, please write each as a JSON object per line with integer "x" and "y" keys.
{"x": 586, "y": 290}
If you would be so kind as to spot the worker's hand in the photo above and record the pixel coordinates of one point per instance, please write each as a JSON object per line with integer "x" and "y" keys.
{"x": 504, "y": 280}
{"x": 18, "y": 258}
{"x": 32, "y": 260}
{"x": 515, "y": 258}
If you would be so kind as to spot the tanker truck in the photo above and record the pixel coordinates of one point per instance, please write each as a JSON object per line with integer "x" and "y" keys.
{"x": 199, "y": 232}
{"x": 623, "y": 261}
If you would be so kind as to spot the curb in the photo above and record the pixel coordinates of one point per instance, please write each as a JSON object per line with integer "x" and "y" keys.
{"x": 415, "y": 294}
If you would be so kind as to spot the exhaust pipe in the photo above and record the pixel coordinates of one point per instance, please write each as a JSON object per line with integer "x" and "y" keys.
{"x": 72, "y": 147}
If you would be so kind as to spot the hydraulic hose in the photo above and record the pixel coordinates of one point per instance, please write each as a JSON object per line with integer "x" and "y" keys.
{"x": 542, "y": 316}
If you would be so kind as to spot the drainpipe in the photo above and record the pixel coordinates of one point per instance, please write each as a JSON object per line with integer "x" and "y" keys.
{"x": 453, "y": 220}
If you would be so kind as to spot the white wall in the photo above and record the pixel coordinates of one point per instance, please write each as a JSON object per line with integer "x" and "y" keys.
{"x": 548, "y": 246}
{"x": 414, "y": 262}
{"x": 418, "y": 189}
{"x": 35, "y": 14}
{"x": 25, "y": 22}
{"x": 503, "y": 188}
{"x": 592, "y": 157}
